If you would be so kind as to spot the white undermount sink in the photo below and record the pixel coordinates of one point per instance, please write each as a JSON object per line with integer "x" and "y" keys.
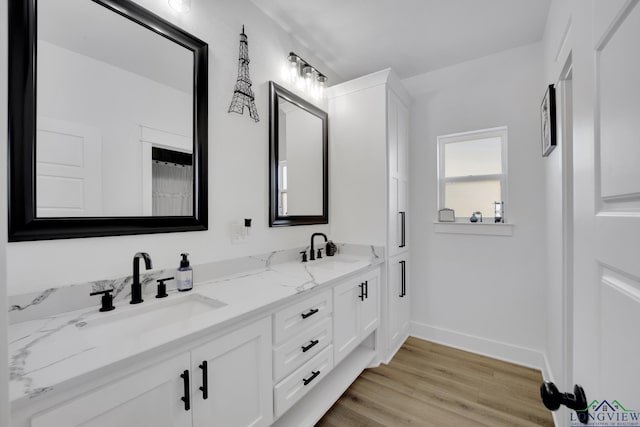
{"x": 156, "y": 320}
{"x": 334, "y": 262}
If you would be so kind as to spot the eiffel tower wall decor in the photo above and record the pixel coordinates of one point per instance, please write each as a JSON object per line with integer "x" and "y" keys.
{"x": 243, "y": 94}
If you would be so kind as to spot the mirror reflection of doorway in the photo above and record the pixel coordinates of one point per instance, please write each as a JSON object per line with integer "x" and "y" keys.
{"x": 172, "y": 183}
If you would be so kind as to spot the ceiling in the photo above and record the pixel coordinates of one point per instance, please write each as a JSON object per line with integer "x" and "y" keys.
{"x": 357, "y": 37}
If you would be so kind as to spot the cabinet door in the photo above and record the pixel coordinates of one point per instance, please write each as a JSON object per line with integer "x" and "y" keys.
{"x": 403, "y": 141}
{"x": 404, "y": 304}
{"x": 394, "y": 226}
{"x": 398, "y": 299}
{"x": 150, "y": 397}
{"x": 345, "y": 319}
{"x": 403, "y": 218}
{"x": 398, "y": 157}
{"x": 369, "y": 313}
{"x": 237, "y": 380}
{"x": 392, "y": 133}
{"x": 398, "y": 219}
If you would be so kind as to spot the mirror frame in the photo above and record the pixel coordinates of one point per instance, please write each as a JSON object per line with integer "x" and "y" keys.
{"x": 23, "y": 223}
{"x": 276, "y": 220}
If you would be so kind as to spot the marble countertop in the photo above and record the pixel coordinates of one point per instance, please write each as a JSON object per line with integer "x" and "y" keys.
{"x": 56, "y": 350}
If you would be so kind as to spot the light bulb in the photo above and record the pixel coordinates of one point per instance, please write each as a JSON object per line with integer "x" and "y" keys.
{"x": 322, "y": 85}
{"x": 308, "y": 78}
{"x": 292, "y": 60}
{"x": 300, "y": 79}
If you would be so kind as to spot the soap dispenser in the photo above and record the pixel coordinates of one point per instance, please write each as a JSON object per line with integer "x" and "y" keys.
{"x": 184, "y": 278}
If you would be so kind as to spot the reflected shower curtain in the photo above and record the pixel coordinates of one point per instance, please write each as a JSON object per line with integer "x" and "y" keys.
{"x": 172, "y": 189}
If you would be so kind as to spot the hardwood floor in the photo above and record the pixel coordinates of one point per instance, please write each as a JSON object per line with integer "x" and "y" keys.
{"x": 428, "y": 384}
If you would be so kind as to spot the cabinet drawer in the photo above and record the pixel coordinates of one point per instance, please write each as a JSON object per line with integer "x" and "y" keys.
{"x": 295, "y": 386}
{"x": 301, "y": 348}
{"x": 294, "y": 319}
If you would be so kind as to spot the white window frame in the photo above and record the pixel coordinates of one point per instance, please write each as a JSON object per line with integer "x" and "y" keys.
{"x": 502, "y": 133}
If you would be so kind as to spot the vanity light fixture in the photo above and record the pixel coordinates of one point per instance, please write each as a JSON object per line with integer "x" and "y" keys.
{"x": 304, "y": 76}
{"x": 181, "y": 6}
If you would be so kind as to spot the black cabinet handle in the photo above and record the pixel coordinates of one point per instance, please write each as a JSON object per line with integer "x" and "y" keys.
{"x": 310, "y": 346}
{"x": 403, "y": 242}
{"x": 306, "y": 381}
{"x": 310, "y": 313}
{"x": 366, "y": 289}
{"x": 205, "y": 379}
{"x": 186, "y": 398}
{"x": 403, "y": 278}
{"x": 361, "y": 296}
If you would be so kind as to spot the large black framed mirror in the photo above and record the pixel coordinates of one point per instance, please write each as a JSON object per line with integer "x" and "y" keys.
{"x": 299, "y": 160}
{"x": 107, "y": 121}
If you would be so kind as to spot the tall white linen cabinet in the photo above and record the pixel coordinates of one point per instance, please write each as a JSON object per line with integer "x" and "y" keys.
{"x": 369, "y": 186}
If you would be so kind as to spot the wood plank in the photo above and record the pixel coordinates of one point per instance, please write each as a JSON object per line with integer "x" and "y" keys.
{"x": 428, "y": 384}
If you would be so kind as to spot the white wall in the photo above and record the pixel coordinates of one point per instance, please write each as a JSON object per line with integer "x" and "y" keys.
{"x": 484, "y": 293}
{"x": 238, "y": 163}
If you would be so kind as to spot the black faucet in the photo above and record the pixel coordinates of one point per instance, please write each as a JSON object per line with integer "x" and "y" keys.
{"x": 136, "y": 287}
{"x": 312, "y": 254}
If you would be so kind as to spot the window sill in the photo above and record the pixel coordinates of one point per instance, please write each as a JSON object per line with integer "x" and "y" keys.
{"x": 483, "y": 228}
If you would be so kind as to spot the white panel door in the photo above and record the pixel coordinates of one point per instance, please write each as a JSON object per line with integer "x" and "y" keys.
{"x": 607, "y": 202}
{"x": 150, "y": 397}
{"x": 233, "y": 373}
{"x": 68, "y": 169}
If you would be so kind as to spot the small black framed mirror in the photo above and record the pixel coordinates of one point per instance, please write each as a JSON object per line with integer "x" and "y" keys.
{"x": 298, "y": 160}
{"x": 96, "y": 88}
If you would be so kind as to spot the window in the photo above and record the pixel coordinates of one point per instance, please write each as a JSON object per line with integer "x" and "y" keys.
{"x": 282, "y": 188}
{"x": 472, "y": 172}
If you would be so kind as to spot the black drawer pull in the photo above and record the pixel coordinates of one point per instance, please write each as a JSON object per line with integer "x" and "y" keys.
{"x": 205, "y": 380}
{"x": 366, "y": 289}
{"x": 403, "y": 278}
{"x": 186, "y": 398}
{"x": 310, "y": 313}
{"x": 403, "y": 242}
{"x": 306, "y": 381}
{"x": 310, "y": 346}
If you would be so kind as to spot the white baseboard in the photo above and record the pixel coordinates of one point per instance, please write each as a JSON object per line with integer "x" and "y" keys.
{"x": 498, "y": 350}
{"x": 391, "y": 353}
{"x": 547, "y": 373}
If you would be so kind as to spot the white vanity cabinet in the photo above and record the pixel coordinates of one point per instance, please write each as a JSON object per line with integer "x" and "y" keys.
{"x": 355, "y": 313}
{"x": 231, "y": 383}
{"x": 302, "y": 352}
{"x": 285, "y": 365}
{"x": 369, "y": 149}
{"x": 238, "y": 385}
{"x": 150, "y": 397}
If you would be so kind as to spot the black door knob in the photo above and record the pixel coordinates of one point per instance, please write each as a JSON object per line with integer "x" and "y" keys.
{"x": 553, "y": 399}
